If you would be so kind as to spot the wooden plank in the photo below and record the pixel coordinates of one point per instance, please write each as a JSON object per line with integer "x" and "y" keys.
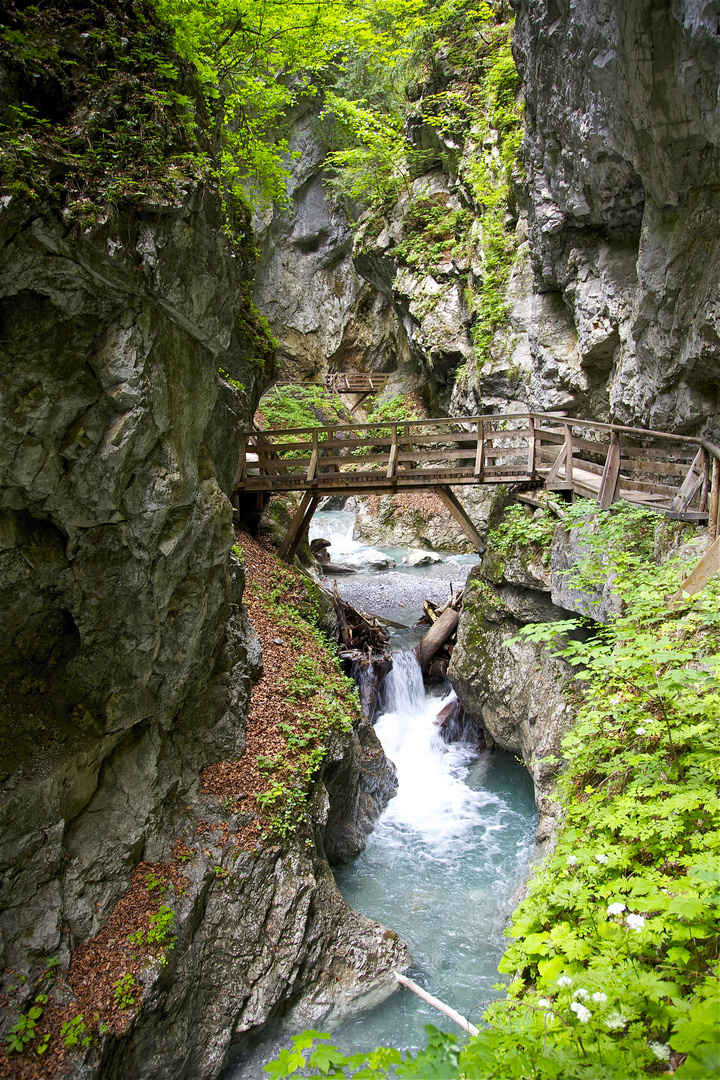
{"x": 519, "y": 433}
{"x": 681, "y": 454}
{"x": 607, "y": 493}
{"x": 458, "y": 512}
{"x": 708, "y": 566}
{"x": 654, "y": 468}
{"x": 294, "y": 526}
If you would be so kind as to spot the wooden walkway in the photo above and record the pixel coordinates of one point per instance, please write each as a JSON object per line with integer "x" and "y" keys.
{"x": 677, "y": 475}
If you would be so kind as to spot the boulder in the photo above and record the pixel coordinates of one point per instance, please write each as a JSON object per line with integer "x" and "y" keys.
{"x": 421, "y": 557}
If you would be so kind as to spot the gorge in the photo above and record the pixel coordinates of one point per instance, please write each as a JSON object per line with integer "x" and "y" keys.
{"x": 205, "y": 210}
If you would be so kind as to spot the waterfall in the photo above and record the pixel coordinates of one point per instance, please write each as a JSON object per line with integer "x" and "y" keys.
{"x": 433, "y": 799}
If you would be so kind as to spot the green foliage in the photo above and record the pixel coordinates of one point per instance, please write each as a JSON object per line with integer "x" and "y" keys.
{"x": 290, "y": 406}
{"x": 24, "y": 1030}
{"x": 107, "y": 112}
{"x": 160, "y": 932}
{"x": 257, "y": 58}
{"x": 614, "y": 952}
{"x": 125, "y": 991}
{"x": 75, "y": 1033}
{"x": 517, "y": 529}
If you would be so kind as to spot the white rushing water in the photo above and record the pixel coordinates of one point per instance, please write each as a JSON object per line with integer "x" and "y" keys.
{"x": 442, "y": 864}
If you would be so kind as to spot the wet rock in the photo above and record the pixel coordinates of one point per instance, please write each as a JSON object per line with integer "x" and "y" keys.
{"x": 421, "y": 557}
{"x": 519, "y": 692}
{"x": 367, "y": 560}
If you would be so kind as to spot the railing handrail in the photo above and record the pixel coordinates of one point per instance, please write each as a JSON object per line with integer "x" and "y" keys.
{"x": 557, "y": 418}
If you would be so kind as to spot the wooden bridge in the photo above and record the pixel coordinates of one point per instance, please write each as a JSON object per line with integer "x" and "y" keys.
{"x": 677, "y": 475}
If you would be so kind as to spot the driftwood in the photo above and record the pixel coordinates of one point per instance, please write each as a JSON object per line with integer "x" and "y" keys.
{"x": 455, "y": 1016}
{"x": 436, "y": 637}
{"x": 358, "y": 632}
{"x": 435, "y": 649}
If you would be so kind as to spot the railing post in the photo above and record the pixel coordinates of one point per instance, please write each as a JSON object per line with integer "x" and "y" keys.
{"x": 480, "y": 452}
{"x": 568, "y": 455}
{"x": 611, "y": 474}
{"x": 312, "y": 467}
{"x": 714, "y": 506}
{"x": 241, "y": 467}
{"x": 531, "y": 448}
{"x": 393, "y": 456}
{"x": 705, "y": 467}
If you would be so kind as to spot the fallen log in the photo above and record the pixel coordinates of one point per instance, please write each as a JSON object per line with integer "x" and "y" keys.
{"x": 436, "y": 637}
{"x": 455, "y": 1016}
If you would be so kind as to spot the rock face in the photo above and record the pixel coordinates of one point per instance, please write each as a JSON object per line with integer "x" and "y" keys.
{"x": 325, "y": 316}
{"x": 519, "y": 693}
{"x": 115, "y": 541}
{"x": 622, "y": 153}
{"x": 408, "y": 520}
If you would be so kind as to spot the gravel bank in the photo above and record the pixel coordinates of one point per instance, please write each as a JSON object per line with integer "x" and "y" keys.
{"x": 400, "y": 595}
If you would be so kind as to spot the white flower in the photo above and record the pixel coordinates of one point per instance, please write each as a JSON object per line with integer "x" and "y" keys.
{"x": 583, "y": 1014}
{"x": 640, "y": 731}
{"x": 544, "y": 1003}
{"x": 571, "y": 860}
{"x": 615, "y": 1021}
{"x": 581, "y": 993}
{"x": 599, "y": 997}
{"x": 661, "y": 1050}
{"x": 616, "y": 909}
{"x": 601, "y": 858}
{"x": 635, "y": 922}
{"x": 564, "y": 980}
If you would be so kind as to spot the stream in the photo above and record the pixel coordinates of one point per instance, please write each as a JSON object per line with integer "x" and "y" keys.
{"x": 452, "y": 849}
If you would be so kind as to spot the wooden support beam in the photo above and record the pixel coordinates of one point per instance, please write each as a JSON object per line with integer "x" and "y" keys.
{"x": 611, "y": 474}
{"x": 294, "y": 526}
{"x": 690, "y": 484}
{"x": 301, "y": 532}
{"x": 531, "y": 447}
{"x": 312, "y": 467}
{"x": 568, "y": 454}
{"x": 241, "y": 467}
{"x": 708, "y": 566}
{"x": 457, "y": 511}
{"x": 556, "y": 466}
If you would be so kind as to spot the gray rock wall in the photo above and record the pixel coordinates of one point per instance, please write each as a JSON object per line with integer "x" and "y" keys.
{"x": 127, "y": 657}
{"x": 519, "y": 693}
{"x": 621, "y": 151}
{"x": 326, "y": 317}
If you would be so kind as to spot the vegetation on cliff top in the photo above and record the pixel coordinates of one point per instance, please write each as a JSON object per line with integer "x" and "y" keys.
{"x": 615, "y": 951}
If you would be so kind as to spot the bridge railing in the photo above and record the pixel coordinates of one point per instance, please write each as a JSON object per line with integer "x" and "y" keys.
{"x": 676, "y": 474}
